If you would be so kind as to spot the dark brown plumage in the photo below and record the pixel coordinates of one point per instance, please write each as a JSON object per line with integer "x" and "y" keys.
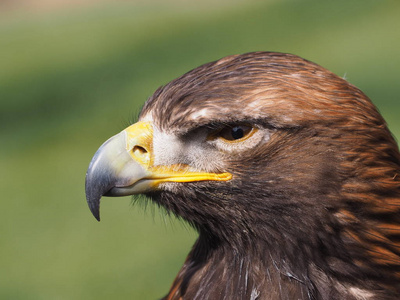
{"x": 306, "y": 200}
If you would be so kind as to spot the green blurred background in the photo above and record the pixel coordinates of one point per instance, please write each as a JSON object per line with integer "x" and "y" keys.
{"x": 72, "y": 76}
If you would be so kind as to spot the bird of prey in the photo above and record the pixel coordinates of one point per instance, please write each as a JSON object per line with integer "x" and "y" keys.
{"x": 287, "y": 171}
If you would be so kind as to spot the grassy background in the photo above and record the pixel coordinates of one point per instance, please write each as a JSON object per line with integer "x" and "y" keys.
{"x": 71, "y": 78}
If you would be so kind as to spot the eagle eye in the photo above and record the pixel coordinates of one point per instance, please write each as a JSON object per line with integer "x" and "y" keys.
{"x": 235, "y": 133}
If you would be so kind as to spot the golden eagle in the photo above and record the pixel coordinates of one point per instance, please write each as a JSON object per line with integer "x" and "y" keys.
{"x": 288, "y": 173}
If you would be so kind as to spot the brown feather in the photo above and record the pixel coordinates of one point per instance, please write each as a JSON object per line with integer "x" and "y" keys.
{"x": 314, "y": 212}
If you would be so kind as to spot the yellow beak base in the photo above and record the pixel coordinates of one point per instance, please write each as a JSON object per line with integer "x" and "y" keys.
{"x": 123, "y": 165}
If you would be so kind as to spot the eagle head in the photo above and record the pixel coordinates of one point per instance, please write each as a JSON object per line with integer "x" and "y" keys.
{"x": 288, "y": 172}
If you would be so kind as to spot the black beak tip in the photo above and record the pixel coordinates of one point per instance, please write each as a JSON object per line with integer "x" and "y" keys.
{"x": 93, "y": 195}
{"x": 94, "y": 207}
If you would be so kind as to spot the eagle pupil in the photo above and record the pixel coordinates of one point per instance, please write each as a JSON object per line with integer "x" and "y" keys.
{"x": 237, "y": 132}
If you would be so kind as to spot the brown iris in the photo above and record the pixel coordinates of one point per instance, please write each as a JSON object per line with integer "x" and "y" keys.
{"x": 235, "y": 132}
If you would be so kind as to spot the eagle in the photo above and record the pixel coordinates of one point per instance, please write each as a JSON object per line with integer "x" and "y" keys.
{"x": 288, "y": 173}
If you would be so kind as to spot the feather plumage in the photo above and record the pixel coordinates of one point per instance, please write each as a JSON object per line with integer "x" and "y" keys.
{"x": 314, "y": 212}
{"x": 313, "y": 207}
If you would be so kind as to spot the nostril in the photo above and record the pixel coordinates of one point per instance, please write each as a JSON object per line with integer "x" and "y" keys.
{"x": 138, "y": 150}
{"x": 141, "y": 154}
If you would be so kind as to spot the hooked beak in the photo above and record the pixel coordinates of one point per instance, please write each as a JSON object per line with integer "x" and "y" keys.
{"x": 123, "y": 166}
